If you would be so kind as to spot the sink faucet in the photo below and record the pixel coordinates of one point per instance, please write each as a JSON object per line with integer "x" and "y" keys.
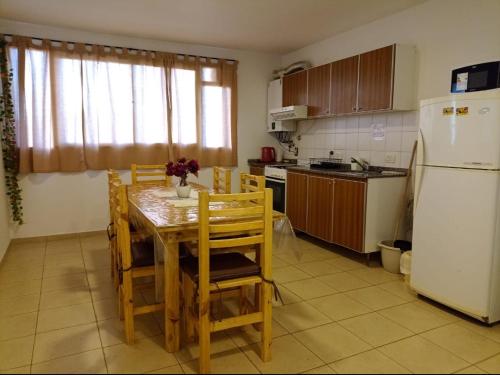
{"x": 361, "y": 162}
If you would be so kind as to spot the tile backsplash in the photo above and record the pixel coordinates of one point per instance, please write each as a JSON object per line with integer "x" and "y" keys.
{"x": 382, "y": 139}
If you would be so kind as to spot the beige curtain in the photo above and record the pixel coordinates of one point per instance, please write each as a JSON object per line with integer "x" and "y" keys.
{"x": 84, "y": 107}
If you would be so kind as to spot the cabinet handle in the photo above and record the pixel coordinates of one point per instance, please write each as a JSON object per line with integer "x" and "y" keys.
{"x": 353, "y": 108}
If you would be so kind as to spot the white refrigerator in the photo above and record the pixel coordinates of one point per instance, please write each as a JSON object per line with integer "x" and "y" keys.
{"x": 456, "y": 232}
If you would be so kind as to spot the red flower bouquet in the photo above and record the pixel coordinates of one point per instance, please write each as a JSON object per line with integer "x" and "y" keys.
{"x": 182, "y": 168}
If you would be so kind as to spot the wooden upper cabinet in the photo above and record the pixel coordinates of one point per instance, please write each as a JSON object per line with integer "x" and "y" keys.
{"x": 349, "y": 214}
{"x": 320, "y": 207}
{"x": 344, "y": 85}
{"x": 318, "y": 90}
{"x": 295, "y": 89}
{"x": 376, "y": 79}
{"x": 296, "y": 200}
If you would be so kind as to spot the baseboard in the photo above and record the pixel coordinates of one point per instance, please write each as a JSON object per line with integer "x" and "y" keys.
{"x": 56, "y": 237}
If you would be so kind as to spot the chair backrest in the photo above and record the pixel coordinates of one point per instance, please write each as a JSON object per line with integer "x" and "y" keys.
{"x": 251, "y": 183}
{"x": 149, "y": 174}
{"x": 232, "y": 221}
{"x": 112, "y": 177}
{"x": 123, "y": 227}
{"x": 222, "y": 180}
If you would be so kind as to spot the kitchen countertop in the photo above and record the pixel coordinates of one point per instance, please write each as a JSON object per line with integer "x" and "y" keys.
{"x": 259, "y": 163}
{"x": 373, "y": 172}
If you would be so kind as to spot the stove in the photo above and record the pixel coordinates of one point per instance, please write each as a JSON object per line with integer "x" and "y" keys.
{"x": 276, "y": 171}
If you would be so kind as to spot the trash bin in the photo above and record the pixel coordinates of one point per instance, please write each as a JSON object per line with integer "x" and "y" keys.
{"x": 391, "y": 256}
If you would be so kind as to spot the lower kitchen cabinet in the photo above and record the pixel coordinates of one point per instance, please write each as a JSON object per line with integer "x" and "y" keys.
{"x": 257, "y": 171}
{"x": 320, "y": 207}
{"x": 349, "y": 214}
{"x": 355, "y": 214}
{"x": 296, "y": 200}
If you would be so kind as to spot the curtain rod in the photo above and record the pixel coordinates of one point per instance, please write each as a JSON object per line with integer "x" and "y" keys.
{"x": 130, "y": 49}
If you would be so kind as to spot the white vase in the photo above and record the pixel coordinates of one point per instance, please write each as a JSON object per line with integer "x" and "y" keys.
{"x": 183, "y": 191}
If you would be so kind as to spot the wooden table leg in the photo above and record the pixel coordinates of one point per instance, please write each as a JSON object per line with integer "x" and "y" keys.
{"x": 172, "y": 314}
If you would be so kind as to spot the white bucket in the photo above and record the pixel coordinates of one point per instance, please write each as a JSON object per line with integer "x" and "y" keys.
{"x": 391, "y": 256}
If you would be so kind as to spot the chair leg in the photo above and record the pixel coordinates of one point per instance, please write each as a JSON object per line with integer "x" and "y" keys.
{"x": 120, "y": 303}
{"x": 187, "y": 311}
{"x": 266, "y": 332}
{"x": 204, "y": 334}
{"x": 243, "y": 300}
{"x": 128, "y": 307}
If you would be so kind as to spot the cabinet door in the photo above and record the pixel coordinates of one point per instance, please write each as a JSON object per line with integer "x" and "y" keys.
{"x": 320, "y": 207}
{"x": 344, "y": 85}
{"x": 349, "y": 214}
{"x": 257, "y": 171}
{"x": 295, "y": 89}
{"x": 296, "y": 200}
{"x": 318, "y": 90}
{"x": 375, "y": 79}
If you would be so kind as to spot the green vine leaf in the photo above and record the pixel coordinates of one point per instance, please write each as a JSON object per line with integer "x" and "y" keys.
{"x": 10, "y": 151}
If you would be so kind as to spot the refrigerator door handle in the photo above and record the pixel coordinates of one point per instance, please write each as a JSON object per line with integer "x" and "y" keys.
{"x": 420, "y": 148}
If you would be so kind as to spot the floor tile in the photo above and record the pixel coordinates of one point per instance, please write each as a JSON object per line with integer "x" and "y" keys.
{"x": 422, "y": 356}
{"x": 19, "y": 305}
{"x": 112, "y": 330}
{"x": 463, "y": 343}
{"x": 474, "y": 370}
{"x": 220, "y": 342}
{"x": 287, "y": 296}
{"x": 279, "y": 263}
{"x": 106, "y": 309}
{"x": 65, "y": 297}
{"x": 100, "y": 276}
{"x": 95, "y": 241}
{"x": 77, "y": 281}
{"x": 66, "y": 341}
{"x": 375, "y": 298}
{"x": 17, "y": 370}
{"x": 17, "y": 275}
{"x": 343, "y": 281}
{"x": 18, "y": 326}
{"x": 371, "y": 362}
{"x": 244, "y": 336}
{"x": 288, "y": 356}
{"x": 331, "y": 342}
{"x": 90, "y": 362}
{"x": 16, "y": 353}
{"x": 288, "y": 274}
{"x": 309, "y": 288}
{"x": 415, "y": 318}
{"x": 319, "y": 268}
{"x": 400, "y": 289}
{"x": 491, "y": 365}
{"x": 20, "y": 289}
{"x": 375, "y": 329}
{"x": 63, "y": 246}
{"x": 492, "y": 333}
{"x": 375, "y": 275}
{"x": 345, "y": 264}
{"x": 321, "y": 370}
{"x": 299, "y": 316}
{"x": 229, "y": 362}
{"x": 175, "y": 369}
{"x": 67, "y": 268}
{"x": 146, "y": 354}
{"x": 102, "y": 292}
{"x": 67, "y": 316}
{"x": 339, "y": 306}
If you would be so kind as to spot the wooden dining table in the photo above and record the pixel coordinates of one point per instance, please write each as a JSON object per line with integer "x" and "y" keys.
{"x": 156, "y": 210}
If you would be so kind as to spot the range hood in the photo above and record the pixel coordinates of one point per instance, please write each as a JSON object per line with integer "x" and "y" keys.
{"x": 293, "y": 112}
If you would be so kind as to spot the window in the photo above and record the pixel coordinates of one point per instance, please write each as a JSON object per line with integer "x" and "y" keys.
{"x": 80, "y": 107}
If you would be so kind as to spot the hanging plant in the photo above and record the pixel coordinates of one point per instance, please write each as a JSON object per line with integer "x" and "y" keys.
{"x": 10, "y": 151}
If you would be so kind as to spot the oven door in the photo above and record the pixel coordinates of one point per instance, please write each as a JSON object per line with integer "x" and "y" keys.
{"x": 279, "y": 193}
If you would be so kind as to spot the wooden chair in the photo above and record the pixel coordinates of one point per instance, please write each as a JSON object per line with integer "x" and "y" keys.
{"x": 113, "y": 181}
{"x": 250, "y": 183}
{"x": 149, "y": 174}
{"x": 222, "y": 180}
{"x": 247, "y": 224}
{"x": 136, "y": 261}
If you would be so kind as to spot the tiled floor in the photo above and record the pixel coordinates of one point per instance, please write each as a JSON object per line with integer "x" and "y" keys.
{"x": 58, "y": 314}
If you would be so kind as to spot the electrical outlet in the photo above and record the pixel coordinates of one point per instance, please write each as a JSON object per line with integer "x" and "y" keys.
{"x": 390, "y": 157}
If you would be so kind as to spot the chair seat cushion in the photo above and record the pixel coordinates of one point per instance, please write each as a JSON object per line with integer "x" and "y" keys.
{"x": 143, "y": 253}
{"x": 222, "y": 267}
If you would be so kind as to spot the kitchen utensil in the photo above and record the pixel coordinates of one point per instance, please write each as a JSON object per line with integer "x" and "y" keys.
{"x": 268, "y": 154}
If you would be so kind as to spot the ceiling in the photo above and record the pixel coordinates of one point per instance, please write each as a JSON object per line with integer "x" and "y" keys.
{"x": 278, "y": 26}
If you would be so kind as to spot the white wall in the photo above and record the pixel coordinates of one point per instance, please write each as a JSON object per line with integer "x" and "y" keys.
{"x": 446, "y": 33}
{"x": 4, "y": 215}
{"x": 57, "y": 203}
